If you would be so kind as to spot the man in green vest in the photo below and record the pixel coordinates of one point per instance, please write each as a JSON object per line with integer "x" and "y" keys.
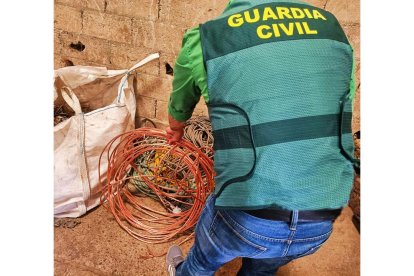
{"x": 277, "y": 77}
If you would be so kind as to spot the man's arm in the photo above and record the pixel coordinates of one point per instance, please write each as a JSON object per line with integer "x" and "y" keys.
{"x": 189, "y": 75}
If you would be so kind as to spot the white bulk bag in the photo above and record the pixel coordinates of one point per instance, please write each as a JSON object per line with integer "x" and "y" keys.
{"x": 80, "y": 139}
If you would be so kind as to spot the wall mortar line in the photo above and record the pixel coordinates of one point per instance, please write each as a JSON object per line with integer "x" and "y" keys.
{"x": 159, "y": 9}
{"x": 324, "y": 6}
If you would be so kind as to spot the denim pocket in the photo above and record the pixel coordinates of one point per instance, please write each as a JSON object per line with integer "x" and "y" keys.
{"x": 230, "y": 240}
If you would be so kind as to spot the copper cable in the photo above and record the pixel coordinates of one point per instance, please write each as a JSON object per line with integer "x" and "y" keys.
{"x": 179, "y": 176}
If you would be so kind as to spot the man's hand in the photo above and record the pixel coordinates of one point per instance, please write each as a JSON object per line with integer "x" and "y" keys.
{"x": 175, "y": 131}
{"x": 173, "y": 136}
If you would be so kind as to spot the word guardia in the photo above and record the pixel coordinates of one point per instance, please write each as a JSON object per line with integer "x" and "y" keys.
{"x": 277, "y": 13}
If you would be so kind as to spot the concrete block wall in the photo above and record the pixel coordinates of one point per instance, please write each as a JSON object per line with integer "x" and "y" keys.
{"x": 118, "y": 33}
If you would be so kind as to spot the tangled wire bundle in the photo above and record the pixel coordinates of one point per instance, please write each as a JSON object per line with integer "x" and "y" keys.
{"x": 198, "y": 131}
{"x": 141, "y": 166}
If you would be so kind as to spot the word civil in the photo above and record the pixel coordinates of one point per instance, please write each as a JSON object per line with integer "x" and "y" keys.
{"x": 277, "y": 29}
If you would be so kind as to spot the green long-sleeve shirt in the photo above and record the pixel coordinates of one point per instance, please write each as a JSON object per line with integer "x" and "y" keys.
{"x": 190, "y": 79}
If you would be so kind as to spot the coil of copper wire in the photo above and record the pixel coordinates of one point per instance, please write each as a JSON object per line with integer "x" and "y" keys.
{"x": 156, "y": 191}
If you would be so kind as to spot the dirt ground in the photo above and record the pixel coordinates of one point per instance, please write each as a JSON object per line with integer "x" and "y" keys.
{"x": 96, "y": 245}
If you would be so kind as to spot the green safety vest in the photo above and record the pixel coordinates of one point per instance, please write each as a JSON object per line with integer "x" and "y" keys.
{"x": 279, "y": 78}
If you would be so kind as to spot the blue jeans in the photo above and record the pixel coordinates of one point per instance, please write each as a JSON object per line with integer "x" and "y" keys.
{"x": 264, "y": 245}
